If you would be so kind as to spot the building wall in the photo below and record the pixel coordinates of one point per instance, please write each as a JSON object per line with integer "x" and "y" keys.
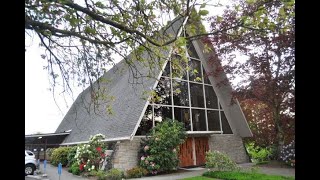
{"x": 230, "y": 144}
{"x": 126, "y": 154}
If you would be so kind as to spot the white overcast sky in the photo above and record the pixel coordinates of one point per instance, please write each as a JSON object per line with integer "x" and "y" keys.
{"x": 42, "y": 114}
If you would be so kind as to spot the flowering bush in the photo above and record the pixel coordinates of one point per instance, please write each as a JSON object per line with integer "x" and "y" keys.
{"x": 90, "y": 156}
{"x": 220, "y": 161}
{"x": 287, "y": 154}
{"x": 159, "y": 150}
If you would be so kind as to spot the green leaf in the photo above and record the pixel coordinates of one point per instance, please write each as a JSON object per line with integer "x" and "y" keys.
{"x": 219, "y": 19}
{"x": 90, "y": 30}
{"x": 99, "y": 4}
{"x": 282, "y": 12}
{"x": 203, "y": 12}
{"x": 237, "y": 7}
{"x": 203, "y": 5}
{"x": 250, "y": 1}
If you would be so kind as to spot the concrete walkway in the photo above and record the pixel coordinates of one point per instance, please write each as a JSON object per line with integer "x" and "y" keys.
{"x": 52, "y": 173}
{"x": 179, "y": 175}
{"x": 282, "y": 171}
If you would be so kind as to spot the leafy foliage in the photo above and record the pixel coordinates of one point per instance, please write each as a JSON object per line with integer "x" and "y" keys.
{"x": 82, "y": 37}
{"x": 264, "y": 33}
{"x": 74, "y": 169}
{"x": 229, "y": 175}
{"x": 71, "y": 154}
{"x": 219, "y": 161}
{"x": 60, "y": 155}
{"x": 136, "y": 172}
{"x": 159, "y": 151}
{"x": 288, "y": 154}
{"x": 258, "y": 154}
{"x": 101, "y": 175}
{"x": 114, "y": 174}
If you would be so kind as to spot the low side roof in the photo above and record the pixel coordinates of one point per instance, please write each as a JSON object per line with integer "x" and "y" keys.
{"x": 51, "y": 139}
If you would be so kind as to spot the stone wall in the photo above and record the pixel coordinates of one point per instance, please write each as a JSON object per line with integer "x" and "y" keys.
{"x": 230, "y": 144}
{"x": 126, "y": 154}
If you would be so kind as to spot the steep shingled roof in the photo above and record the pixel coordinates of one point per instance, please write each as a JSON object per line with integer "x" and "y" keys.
{"x": 127, "y": 107}
{"x": 129, "y": 104}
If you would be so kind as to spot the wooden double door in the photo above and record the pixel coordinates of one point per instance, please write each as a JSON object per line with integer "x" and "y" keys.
{"x": 193, "y": 151}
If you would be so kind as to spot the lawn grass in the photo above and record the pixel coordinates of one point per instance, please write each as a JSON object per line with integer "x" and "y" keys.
{"x": 199, "y": 178}
{"x": 231, "y": 175}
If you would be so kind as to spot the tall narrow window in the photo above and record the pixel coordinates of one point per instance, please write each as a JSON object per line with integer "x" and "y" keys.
{"x": 225, "y": 125}
{"x": 179, "y": 67}
{"x": 161, "y": 113}
{"x": 213, "y": 120}
{"x": 180, "y": 93}
{"x": 195, "y": 71}
{"x": 196, "y": 92}
{"x": 192, "y": 51}
{"x": 199, "y": 120}
{"x": 211, "y": 98}
{"x": 163, "y": 91}
{"x": 183, "y": 115}
{"x": 146, "y": 122}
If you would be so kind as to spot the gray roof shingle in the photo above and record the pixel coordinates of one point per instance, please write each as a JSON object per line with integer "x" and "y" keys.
{"x": 127, "y": 106}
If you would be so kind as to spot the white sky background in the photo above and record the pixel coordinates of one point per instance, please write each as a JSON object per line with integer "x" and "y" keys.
{"x": 42, "y": 114}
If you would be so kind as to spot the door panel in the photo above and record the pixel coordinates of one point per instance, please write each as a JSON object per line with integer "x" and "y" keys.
{"x": 201, "y": 147}
{"x": 186, "y": 153}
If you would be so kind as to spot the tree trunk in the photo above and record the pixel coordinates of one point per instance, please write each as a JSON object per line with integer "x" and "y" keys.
{"x": 279, "y": 133}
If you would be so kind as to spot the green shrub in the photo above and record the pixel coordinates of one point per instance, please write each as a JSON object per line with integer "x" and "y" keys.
{"x": 259, "y": 155}
{"x": 60, "y": 155}
{"x": 136, "y": 172}
{"x": 101, "y": 175}
{"x": 74, "y": 169}
{"x": 159, "y": 150}
{"x": 71, "y": 155}
{"x": 220, "y": 161}
{"x": 49, "y": 152}
{"x": 114, "y": 174}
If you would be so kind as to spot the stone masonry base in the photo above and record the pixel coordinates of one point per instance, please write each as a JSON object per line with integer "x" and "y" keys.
{"x": 126, "y": 152}
{"x": 230, "y": 144}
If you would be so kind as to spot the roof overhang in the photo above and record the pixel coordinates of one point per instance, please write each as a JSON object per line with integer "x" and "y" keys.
{"x": 48, "y": 139}
{"x": 105, "y": 140}
{"x": 48, "y": 134}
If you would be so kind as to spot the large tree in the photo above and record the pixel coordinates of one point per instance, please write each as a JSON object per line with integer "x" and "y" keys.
{"x": 266, "y": 76}
{"x": 81, "y": 36}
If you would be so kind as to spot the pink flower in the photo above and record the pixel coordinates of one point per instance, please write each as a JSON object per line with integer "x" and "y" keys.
{"x": 142, "y": 158}
{"x": 146, "y": 148}
{"x": 146, "y": 161}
